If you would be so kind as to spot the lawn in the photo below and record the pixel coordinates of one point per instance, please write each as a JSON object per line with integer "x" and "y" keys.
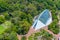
{"x": 4, "y": 26}
{"x": 1, "y": 29}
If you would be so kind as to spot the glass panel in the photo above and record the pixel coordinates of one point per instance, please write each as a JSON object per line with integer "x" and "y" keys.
{"x": 44, "y": 17}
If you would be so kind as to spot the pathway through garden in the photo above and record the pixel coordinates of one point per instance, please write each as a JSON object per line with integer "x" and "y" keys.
{"x": 19, "y": 37}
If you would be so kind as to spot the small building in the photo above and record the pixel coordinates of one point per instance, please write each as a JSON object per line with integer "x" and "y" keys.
{"x": 43, "y": 20}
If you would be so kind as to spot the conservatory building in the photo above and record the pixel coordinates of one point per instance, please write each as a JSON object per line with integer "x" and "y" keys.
{"x": 43, "y": 20}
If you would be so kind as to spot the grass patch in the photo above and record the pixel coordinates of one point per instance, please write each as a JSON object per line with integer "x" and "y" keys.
{"x": 4, "y": 26}
{"x": 1, "y": 29}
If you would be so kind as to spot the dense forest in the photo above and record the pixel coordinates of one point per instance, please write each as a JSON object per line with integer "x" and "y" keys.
{"x": 17, "y": 16}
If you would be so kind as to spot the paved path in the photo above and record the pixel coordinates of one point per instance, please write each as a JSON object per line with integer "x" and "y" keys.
{"x": 19, "y": 37}
{"x": 31, "y": 31}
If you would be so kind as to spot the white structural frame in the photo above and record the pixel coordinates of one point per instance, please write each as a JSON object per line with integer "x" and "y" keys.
{"x": 39, "y": 24}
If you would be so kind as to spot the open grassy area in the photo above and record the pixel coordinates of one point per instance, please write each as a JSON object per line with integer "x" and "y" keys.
{"x": 1, "y": 29}
{"x": 4, "y": 26}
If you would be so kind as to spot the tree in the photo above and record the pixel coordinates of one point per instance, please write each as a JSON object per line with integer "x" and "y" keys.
{"x": 23, "y": 38}
{"x": 10, "y": 36}
{"x": 23, "y": 27}
{"x": 2, "y": 19}
{"x": 42, "y": 35}
{"x": 21, "y": 13}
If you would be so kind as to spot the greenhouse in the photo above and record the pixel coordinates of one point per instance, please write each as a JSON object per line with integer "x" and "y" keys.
{"x": 44, "y": 19}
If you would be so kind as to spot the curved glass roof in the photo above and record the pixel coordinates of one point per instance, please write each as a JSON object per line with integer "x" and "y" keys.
{"x": 45, "y": 15}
